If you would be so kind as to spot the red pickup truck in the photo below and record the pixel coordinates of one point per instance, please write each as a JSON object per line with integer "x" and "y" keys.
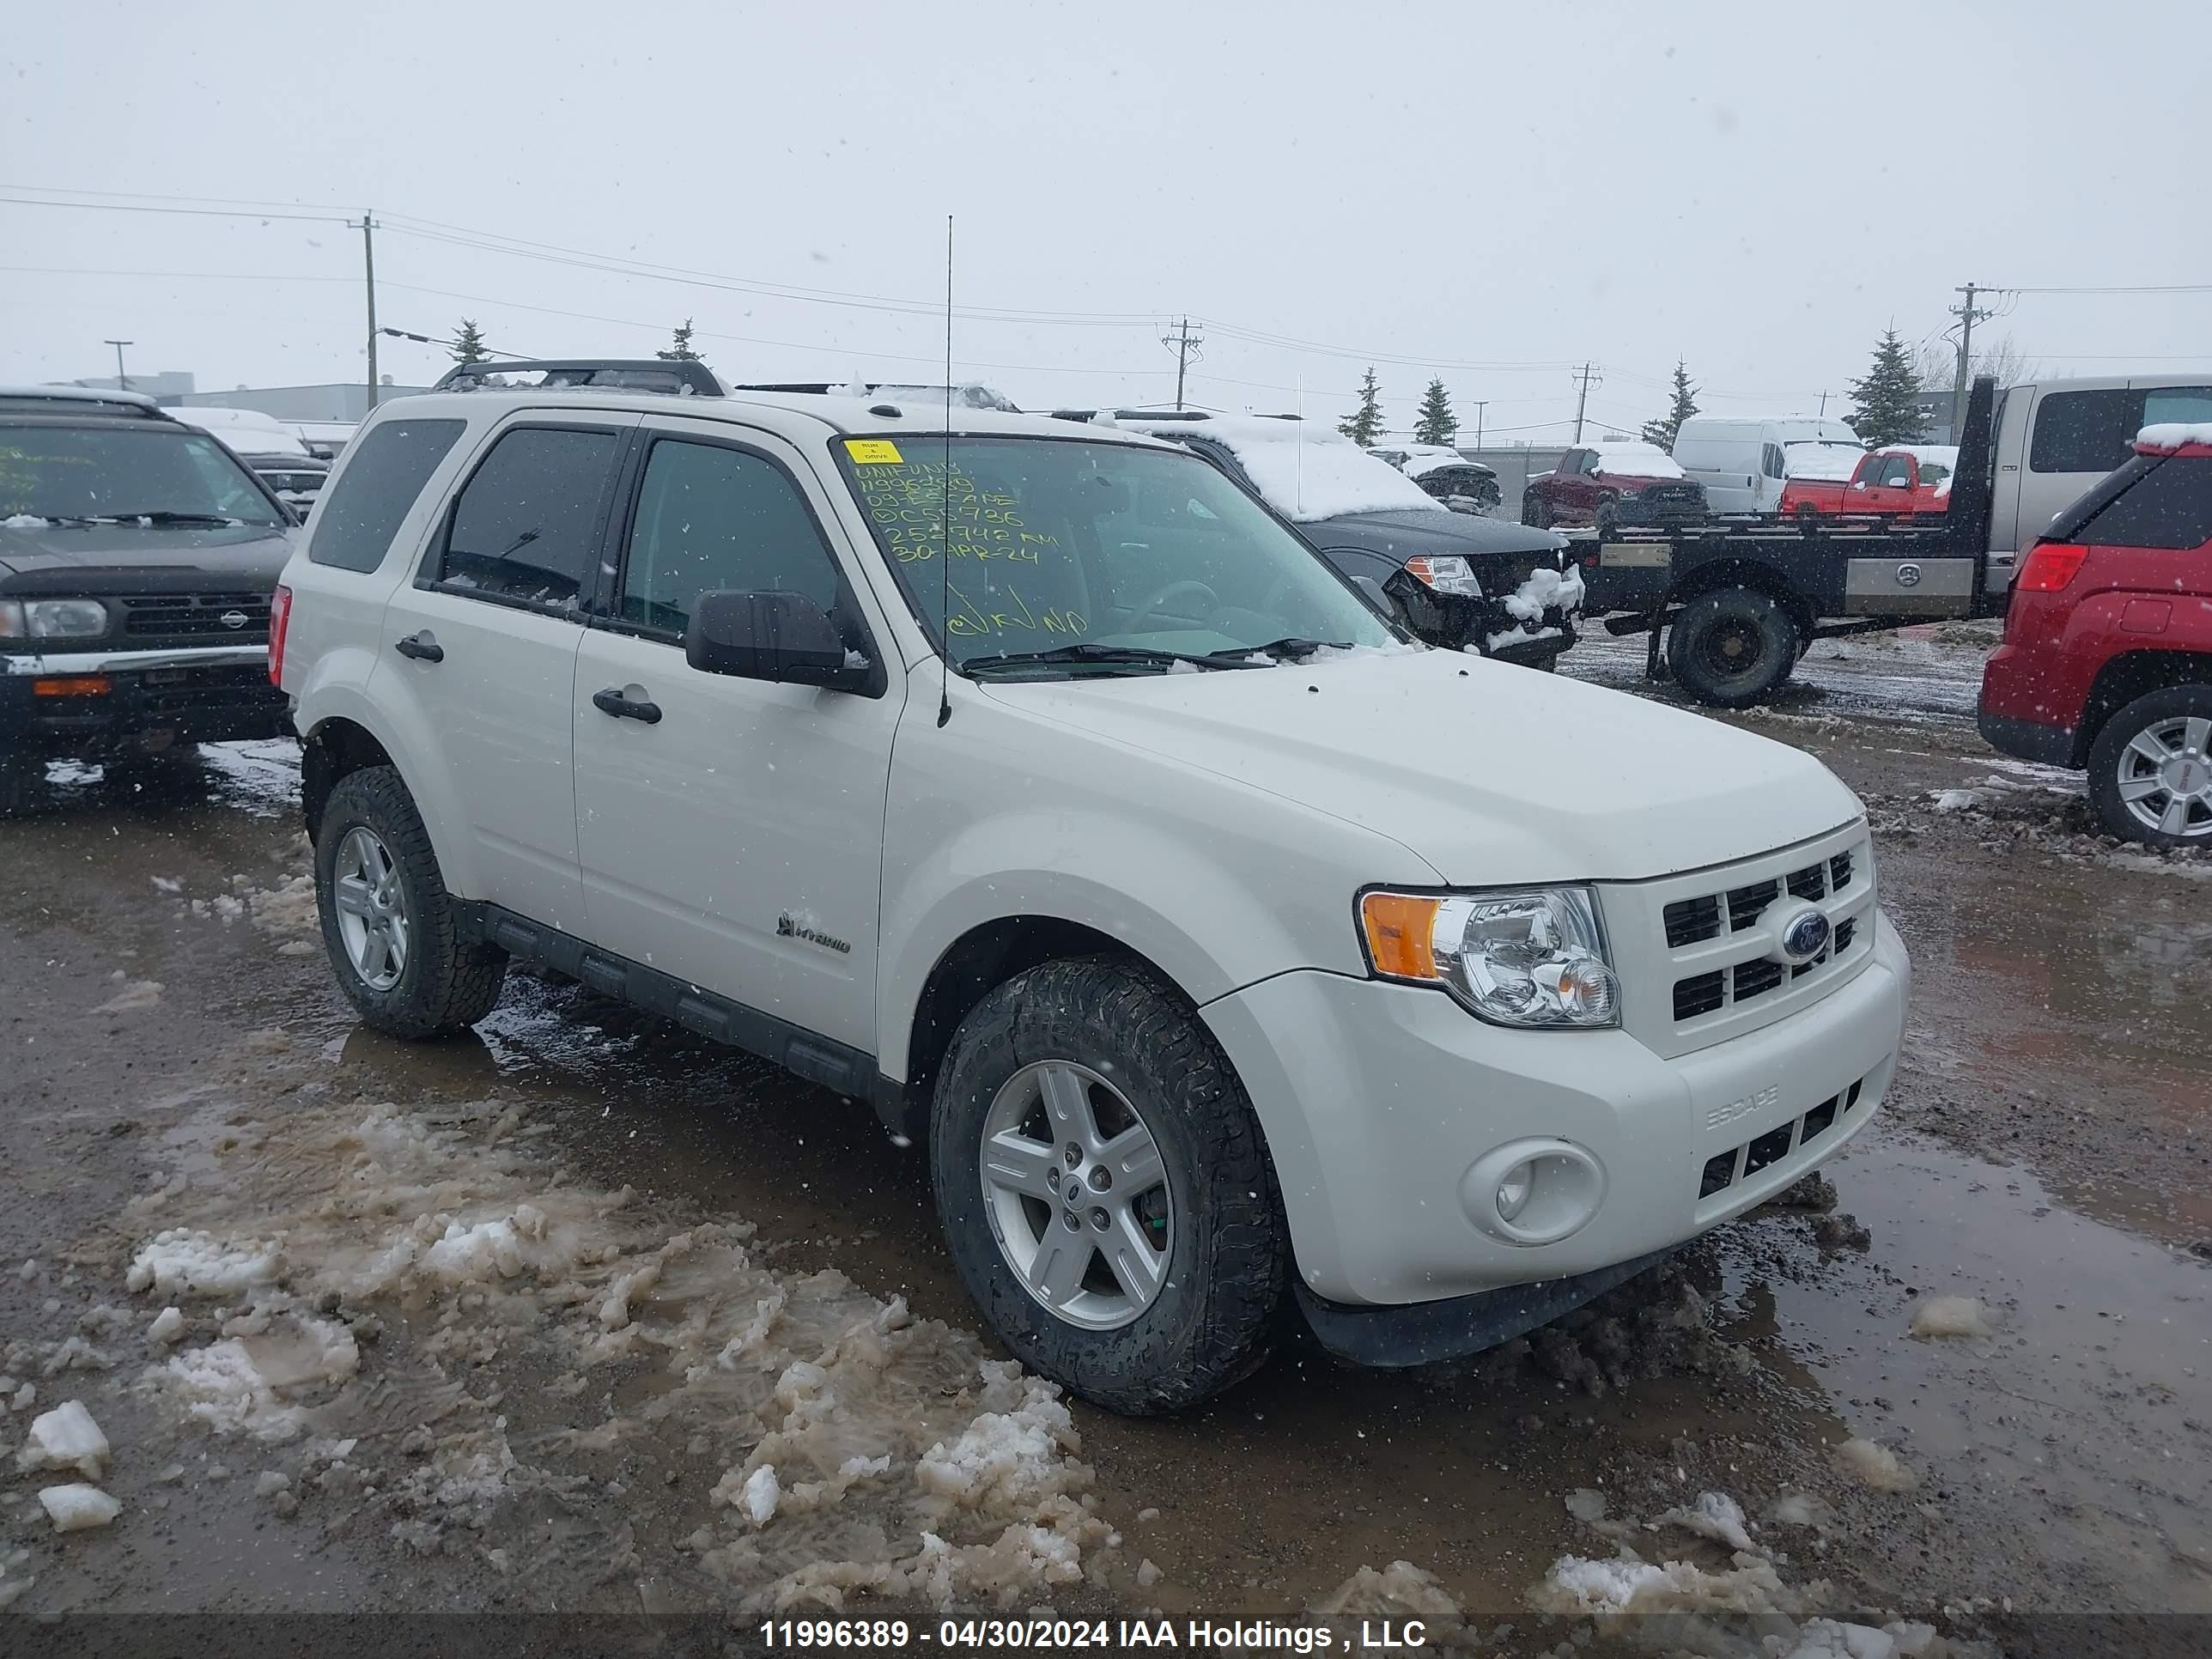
{"x": 2106, "y": 662}
{"x": 1905, "y": 480}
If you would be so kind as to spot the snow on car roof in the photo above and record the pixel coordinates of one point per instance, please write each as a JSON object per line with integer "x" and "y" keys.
{"x": 1419, "y": 466}
{"x": 1820, "y": 458}
{"x": 1306, "y": 472}
{"x": 248, "y": 431}
{"x": 1926, "y": 454}
{"x": 2170, "y": 435}
{"x": 1636, "y": 460}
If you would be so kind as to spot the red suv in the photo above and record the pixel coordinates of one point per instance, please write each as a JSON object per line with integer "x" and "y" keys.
{"x": 2107, "y": 655}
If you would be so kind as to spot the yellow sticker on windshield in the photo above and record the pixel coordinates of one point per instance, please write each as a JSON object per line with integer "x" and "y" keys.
{"x": 873, "y": 451}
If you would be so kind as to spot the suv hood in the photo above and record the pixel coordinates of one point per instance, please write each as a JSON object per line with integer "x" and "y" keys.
{"x": 1414, "y": 531}
{"x": 104, "y": 558}
{"x": 1492, "y": 774}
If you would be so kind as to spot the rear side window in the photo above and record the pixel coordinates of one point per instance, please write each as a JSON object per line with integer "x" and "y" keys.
{"x": 361, "y": 514}
{"x": 1770, "y": 460}
{"x": 526, "y": 527}
{"x": 2170, "y": 506}
{"x": 710, "y": 517}
{"x": 2095, "y": 431}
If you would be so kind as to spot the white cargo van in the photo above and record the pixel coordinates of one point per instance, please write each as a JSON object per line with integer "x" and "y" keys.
{"x": 1743, "y": 460}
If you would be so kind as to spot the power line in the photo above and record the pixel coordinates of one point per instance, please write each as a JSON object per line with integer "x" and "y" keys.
{"x": 1185, "y": 345}
{"x": 202, "y": 213}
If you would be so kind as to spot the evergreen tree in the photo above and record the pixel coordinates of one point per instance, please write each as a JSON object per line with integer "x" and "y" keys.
{"x": 679, "y": 346}
{"x": 1669, "y": 427}
{"x": 1886, "y": 405}
{"x": 1437, "y": 424}
{"x": 468, "y": 345}
{"x": 1365, "y": 424}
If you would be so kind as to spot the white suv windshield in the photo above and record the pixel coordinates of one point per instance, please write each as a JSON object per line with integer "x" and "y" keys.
{"x": 1101, "y": 553}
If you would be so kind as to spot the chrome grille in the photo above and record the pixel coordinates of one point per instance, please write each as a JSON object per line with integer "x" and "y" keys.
{"x": 200, "y": 617}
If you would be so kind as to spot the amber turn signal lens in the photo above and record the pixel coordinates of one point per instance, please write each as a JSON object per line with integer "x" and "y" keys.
{"x": 83, "y": 685}
{"x": 1400, "y": 933}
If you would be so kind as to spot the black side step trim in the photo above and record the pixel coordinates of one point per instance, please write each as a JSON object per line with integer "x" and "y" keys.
{"x": 836, "y": 1066}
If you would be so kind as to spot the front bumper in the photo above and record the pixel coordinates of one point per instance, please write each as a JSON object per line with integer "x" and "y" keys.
{"x": 1378, "y": 1100}
{"x": 152, "y": 698}
{"x": 1642, "y": 515}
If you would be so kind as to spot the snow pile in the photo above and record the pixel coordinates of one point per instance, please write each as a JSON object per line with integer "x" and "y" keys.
{"x": 65, "y": 1438}
{"x": 1822, "y": 459}
{"x": 1527, "y": 604}
{"x": 182, "y": 1259}
{"x": 1400, "y": 1592}
{"x": 1876, "y": 1465}
{"x": 1714, "y": 1516}
{"x": 1005, "y": 1459}
{"x": 1578, "y": 1587}
{"x": 78, "y": 1507}
{"x": 1305, "y": 471}
{"x": 390, "y": 1276}
{"x": 1629, "y": 459}
{"x": 235, "y": 1385}
{"x": 1951, "y": 1316}
{"x": 1827, "y": 1638}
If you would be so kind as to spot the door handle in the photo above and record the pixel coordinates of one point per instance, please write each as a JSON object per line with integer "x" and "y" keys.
{"x": 420, "y": 647}
{"x": 613, "y": 701}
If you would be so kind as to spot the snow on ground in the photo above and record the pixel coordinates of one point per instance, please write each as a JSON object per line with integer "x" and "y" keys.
{"x": 866, "y": 1452}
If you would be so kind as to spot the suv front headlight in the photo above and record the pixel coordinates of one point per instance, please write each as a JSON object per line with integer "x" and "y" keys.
{"x": 1446, "y": 573}
{"x": 52, "y": 619}
{"x": 1532, "y": 957}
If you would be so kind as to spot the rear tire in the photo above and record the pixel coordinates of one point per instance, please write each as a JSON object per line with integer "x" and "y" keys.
{"x": 389, "y": 925}
{"x": 2138, "y": 796}
{"x": 1142, "y": 1070}
{"x": 1536, "y": 512}
{"x": 1731, "y": 647}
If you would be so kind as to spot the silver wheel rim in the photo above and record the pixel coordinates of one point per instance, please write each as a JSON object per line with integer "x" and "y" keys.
{"x": 1077, "y": 1193}
{"x": 2165, "y": 777}
{"x": 372, "y": 911}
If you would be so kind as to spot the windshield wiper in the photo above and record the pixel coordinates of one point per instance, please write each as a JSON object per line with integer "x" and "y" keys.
{"x": 1292, "y": 646}
{"x": 163, "y": 515}
{"x": 1089, "y": 651}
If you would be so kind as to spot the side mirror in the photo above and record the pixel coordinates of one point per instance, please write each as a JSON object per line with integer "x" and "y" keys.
{"x": 783, "y": 638}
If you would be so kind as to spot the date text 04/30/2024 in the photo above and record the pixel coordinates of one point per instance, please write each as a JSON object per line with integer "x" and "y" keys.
{"x": 1014, "y": 1634}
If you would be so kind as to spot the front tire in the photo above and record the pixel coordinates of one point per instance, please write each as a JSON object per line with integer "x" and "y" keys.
{"x": 389, "y": 925}
{"x": 1605, "y": 522}
{"x": 1092, "y": 1080}
{"x": 2150, "y": 768}
{"x": 1731, "y": 647}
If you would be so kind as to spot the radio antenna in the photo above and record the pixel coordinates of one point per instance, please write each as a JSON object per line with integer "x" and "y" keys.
{"x": 945, "y": 531}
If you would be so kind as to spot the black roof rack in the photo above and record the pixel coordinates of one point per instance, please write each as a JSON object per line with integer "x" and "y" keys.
{"x": 78, "y": 400}
{"x": 682, "y": 376}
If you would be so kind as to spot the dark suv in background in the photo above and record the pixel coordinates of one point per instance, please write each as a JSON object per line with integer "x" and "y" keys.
{"x": 137, "y": 559}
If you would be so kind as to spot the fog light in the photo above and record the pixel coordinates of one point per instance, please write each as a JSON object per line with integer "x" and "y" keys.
{"x": 1513, "y": 1191}
{"x": 1536, "y": 1191}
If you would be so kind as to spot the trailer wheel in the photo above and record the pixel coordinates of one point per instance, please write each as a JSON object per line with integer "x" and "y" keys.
{"x": 1732, "y": 647}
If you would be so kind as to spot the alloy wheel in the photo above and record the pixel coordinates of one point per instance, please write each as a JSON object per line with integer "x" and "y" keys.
{"x": 372, "y": 910}
{"x": 1076, "y": 1189}
{"x": 2164, "y": 776}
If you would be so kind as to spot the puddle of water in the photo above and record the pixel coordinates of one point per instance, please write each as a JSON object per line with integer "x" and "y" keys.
{"x": 2080, "y": 1428}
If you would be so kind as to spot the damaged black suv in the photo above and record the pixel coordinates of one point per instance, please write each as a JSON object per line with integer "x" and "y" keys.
{"x": 138, "y": 559}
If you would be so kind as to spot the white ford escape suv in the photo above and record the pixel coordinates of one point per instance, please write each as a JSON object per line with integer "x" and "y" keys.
{"x": 1223, "y": 946}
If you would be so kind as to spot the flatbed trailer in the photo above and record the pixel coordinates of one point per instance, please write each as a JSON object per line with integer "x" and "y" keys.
{"x": 1739, "y": 606}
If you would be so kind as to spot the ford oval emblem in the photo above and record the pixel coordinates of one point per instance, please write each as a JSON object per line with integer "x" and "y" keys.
{"x": 234, "y": 619}
{"x": 1806, "y": 936}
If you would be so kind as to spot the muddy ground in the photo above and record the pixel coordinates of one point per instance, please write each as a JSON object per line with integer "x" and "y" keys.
{"x": 585, "y": 1318}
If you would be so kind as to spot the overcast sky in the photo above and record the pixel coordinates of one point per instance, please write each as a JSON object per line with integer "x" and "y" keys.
{"x": 1490, "y": 194}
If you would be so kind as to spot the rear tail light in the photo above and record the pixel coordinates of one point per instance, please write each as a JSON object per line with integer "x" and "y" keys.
{"x": 280, "y": 614}
{"x": 2049, "y": 567}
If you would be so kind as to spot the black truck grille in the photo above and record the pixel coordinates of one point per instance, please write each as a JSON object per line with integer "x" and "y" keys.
{"x": 198, "y": 618}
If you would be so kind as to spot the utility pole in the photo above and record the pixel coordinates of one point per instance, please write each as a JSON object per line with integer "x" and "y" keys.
{"x": 369, "y": 268}
{"x": 1481, "y": 404}
{"x": 1581, "y": 400}
{"x": 1968, "y": 315}
{"x": 1183, "y": 344}
{"x": 1824, "y": 404}
{"x": 122, "y": 380}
